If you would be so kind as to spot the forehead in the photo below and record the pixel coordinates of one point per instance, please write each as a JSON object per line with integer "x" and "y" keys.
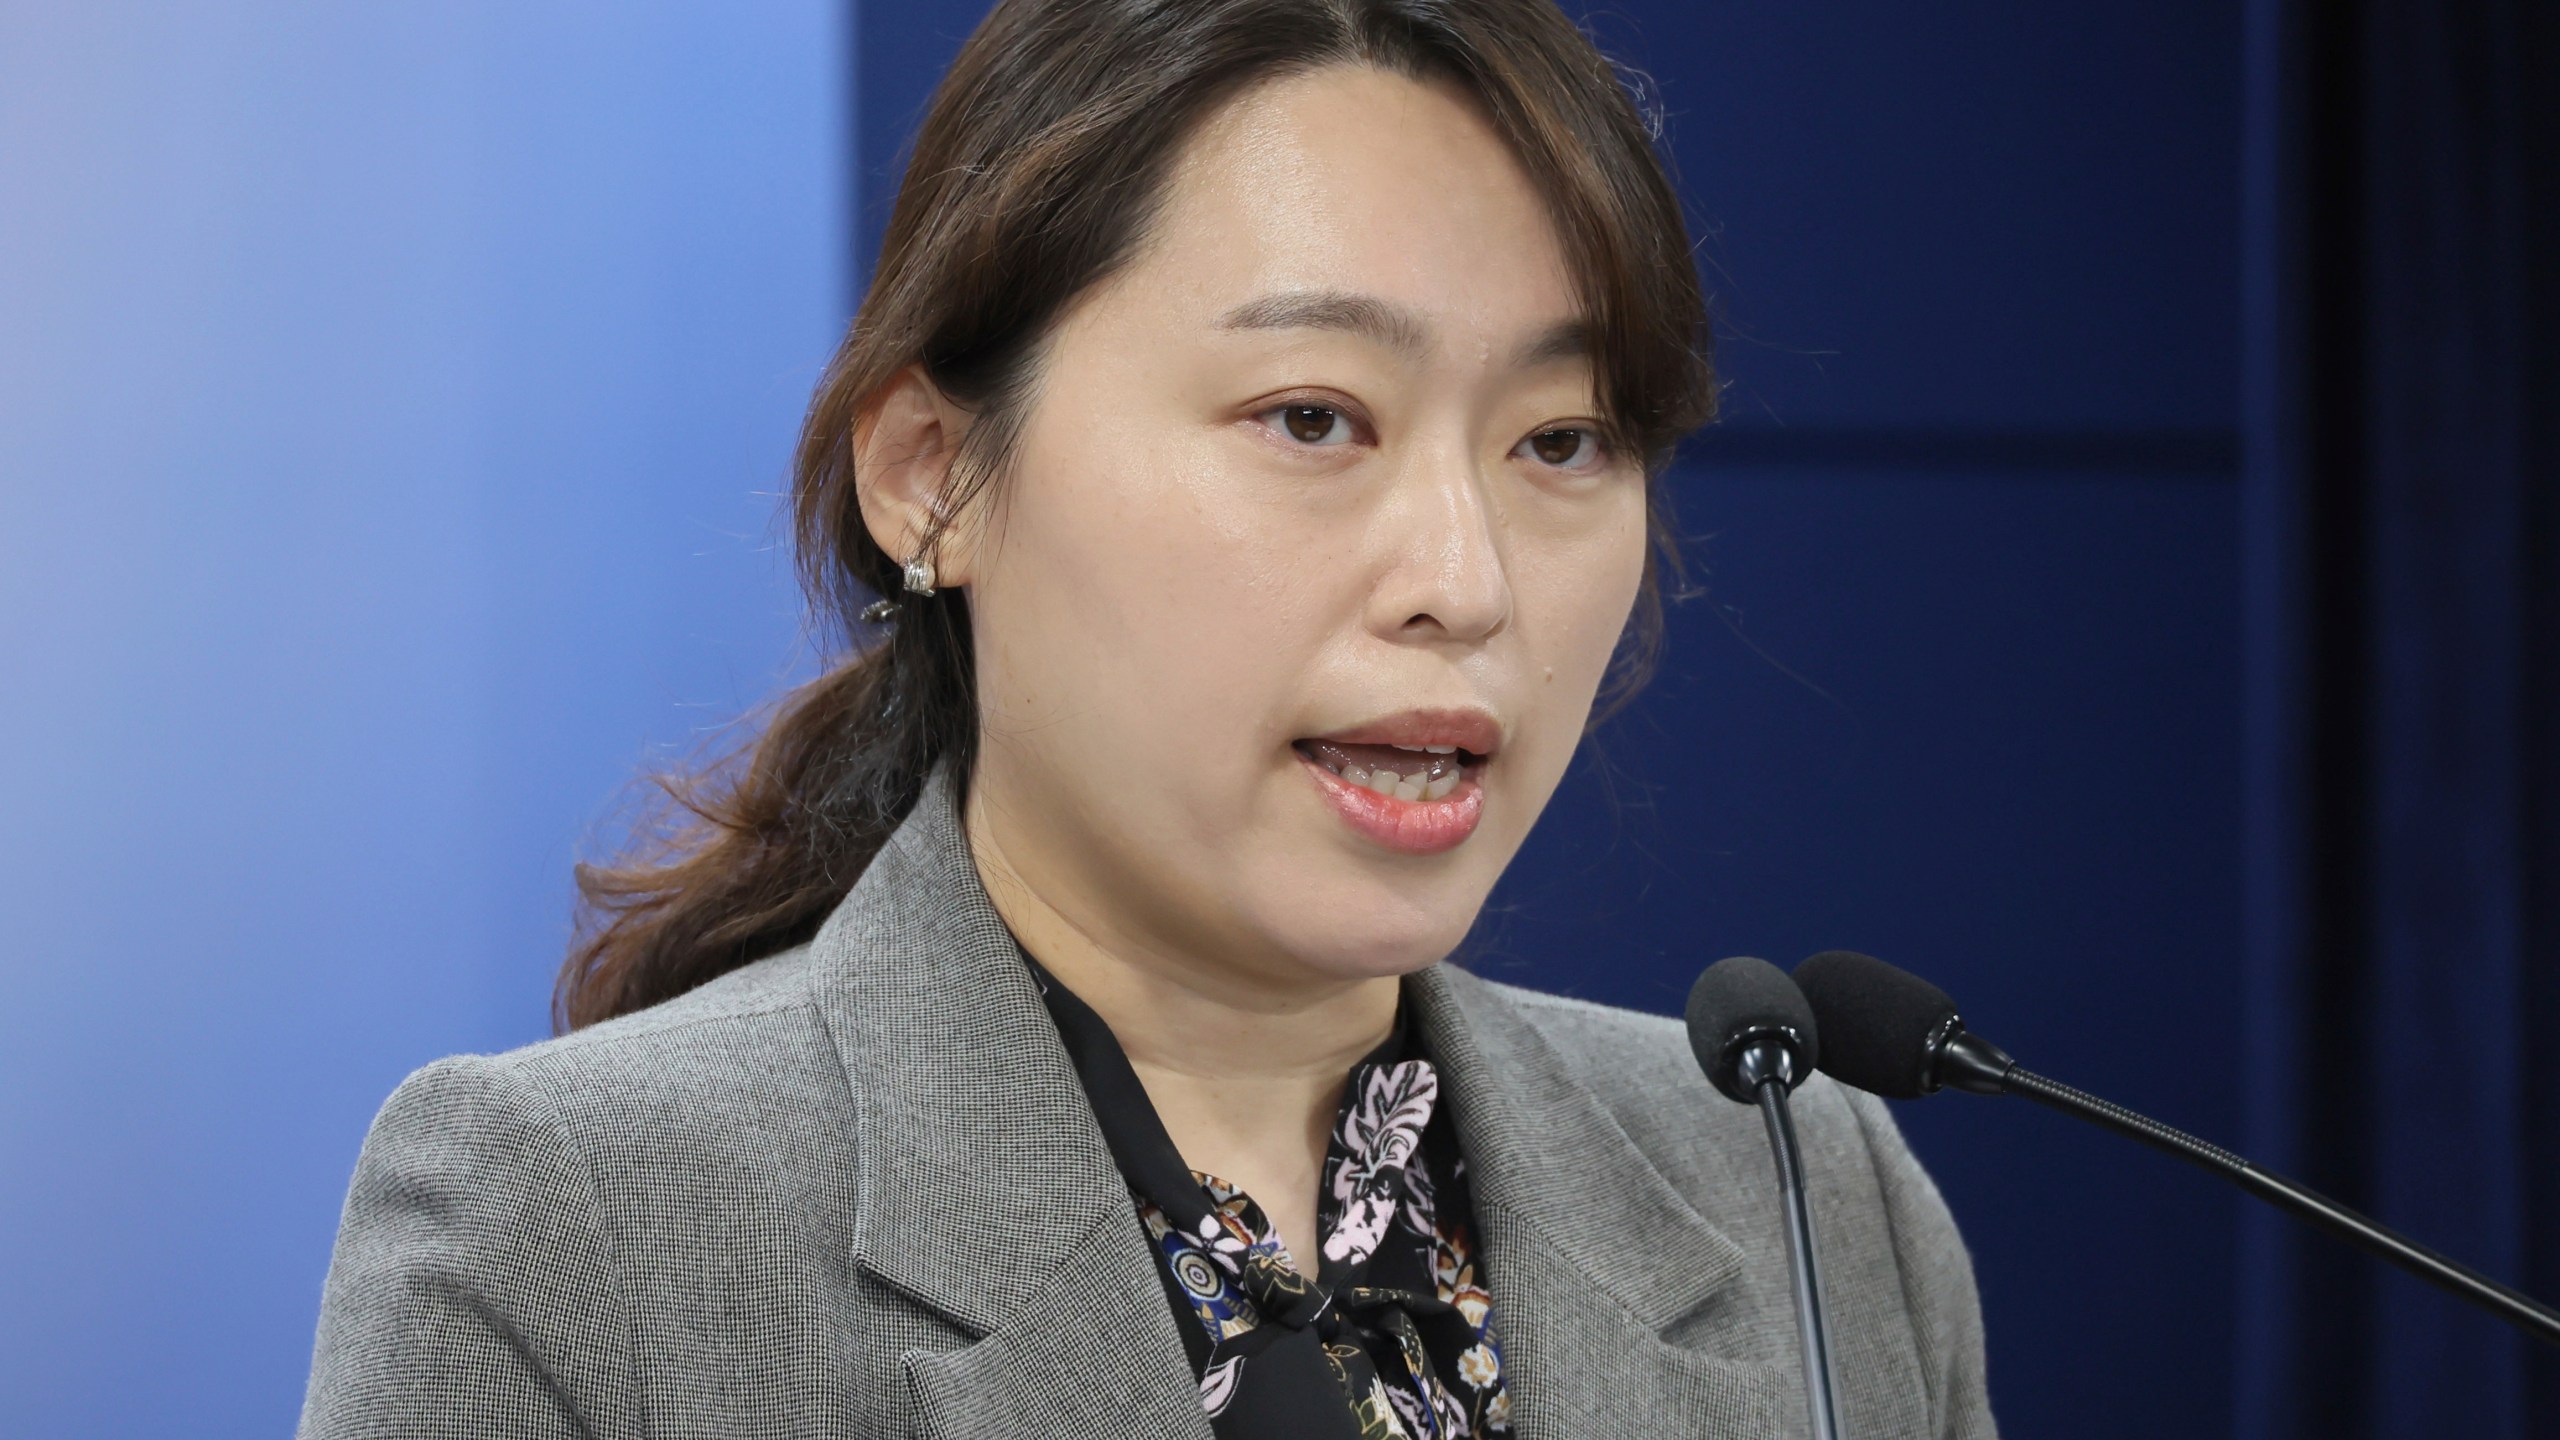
{"x": 1356, "y": 179}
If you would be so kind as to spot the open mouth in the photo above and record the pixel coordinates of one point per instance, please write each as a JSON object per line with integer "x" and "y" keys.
{"x": 1400, "y": 772}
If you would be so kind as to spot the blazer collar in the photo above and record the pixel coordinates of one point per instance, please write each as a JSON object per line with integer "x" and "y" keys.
{"x": 983, "y": 1188}
{"x": 986, "y": 1192}
{"x": 1592, "y": 1253}
{"x": 1551, "y": 1158}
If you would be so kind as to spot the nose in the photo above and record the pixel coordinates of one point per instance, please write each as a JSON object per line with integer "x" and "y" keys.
{"x": 1448, "y": 581}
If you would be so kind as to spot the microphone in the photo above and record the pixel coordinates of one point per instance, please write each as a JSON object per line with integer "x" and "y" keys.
{"x": 1754, "y": 1036}
{"x": 1889, "y": 1031}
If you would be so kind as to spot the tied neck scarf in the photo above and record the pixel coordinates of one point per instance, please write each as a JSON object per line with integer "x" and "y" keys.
{"x": 1388, "y": 1337}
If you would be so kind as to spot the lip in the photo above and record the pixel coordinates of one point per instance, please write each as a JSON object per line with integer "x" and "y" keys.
{"x": 1473, "y": 731}
{"x": 1412, "y": 827}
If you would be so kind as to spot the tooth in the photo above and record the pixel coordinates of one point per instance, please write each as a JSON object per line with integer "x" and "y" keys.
{"x": 1440, "y": 786}
{"x": 1356, "y": 773}
{"x": 1410, "y": 789}
{"x": 1441, "y": 749}
{"x": 1382, "y": 781}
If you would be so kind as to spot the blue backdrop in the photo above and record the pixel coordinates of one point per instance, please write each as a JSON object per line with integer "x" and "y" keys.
{"x": 391, "y": 396}
{"x": 391, "y": 401}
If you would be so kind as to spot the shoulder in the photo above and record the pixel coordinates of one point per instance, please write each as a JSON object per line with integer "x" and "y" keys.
{"x": 1640, "y": 1064}
{"x": 1888, "y": 1236}
{"x": 657, "y": 1139}
{"x": 1613, "y": 1050}
{"x": 534, "y": 1230}
{"x": 741, "y": 1070}
{"x": 690, "y": 1042}
{"x": 1640, "y": 1068}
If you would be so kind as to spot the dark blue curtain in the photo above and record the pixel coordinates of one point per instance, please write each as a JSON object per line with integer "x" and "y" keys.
{"x": 1977, "y": 261}
{"x": 2404, "y": 546}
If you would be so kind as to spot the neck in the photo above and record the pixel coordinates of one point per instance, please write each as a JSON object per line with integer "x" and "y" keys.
{"x": 1245, "y": 1068}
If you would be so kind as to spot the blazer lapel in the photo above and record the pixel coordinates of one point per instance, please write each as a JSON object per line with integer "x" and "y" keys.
{"x": 1090, "y": 1352}
{"x": 1591, "y": 1252}
{"x": 984, "y": 1189}
{"x": 986, "y": 1194}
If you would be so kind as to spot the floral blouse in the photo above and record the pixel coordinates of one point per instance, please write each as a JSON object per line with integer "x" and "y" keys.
{"x": 1390, "y": 1337}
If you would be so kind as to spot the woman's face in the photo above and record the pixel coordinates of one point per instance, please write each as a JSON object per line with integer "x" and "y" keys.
{"x": 1292, "y": 607}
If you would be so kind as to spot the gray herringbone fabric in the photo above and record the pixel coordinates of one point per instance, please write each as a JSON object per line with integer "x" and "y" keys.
{"x": 856, "y": 1190}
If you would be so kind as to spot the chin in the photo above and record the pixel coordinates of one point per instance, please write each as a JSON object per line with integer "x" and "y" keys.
{"x": 1370, "y": 937}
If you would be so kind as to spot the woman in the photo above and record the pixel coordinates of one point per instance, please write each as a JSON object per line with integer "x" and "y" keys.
{"x": 1253, "y": 433}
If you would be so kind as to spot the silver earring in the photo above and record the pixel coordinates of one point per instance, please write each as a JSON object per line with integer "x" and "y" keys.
{"x": 920, "y": 576}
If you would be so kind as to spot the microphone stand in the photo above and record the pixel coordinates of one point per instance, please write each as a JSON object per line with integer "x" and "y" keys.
{"x": 1968, "y": 1062}
{"x": 1768, "y": 1069}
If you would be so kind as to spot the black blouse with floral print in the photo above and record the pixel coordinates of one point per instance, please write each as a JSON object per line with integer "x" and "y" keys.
{"x": 1391, "y": 1338}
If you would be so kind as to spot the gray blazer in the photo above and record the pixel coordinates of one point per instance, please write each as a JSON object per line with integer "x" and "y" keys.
{"x": 856, "y": 1190}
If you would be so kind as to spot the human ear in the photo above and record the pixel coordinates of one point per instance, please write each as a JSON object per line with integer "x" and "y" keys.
{"x": 903, "y": 447}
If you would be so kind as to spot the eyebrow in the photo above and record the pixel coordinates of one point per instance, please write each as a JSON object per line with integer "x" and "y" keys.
{"x": 1564, "y": 340}
{"x": 1366, "y": 316}
{"x": 1388, "y": 324}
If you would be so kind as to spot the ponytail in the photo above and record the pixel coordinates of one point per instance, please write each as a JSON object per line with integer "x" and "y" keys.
{"x": 769, "y": 839}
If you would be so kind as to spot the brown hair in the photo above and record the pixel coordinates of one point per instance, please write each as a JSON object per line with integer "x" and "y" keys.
{"x": 1036, "y": 171}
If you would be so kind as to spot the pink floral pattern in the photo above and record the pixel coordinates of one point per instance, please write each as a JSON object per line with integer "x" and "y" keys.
{"x": 1375, "y": 1183}
{"x": 1375, "y": 1143}
{"x": 1396, "y": 1326}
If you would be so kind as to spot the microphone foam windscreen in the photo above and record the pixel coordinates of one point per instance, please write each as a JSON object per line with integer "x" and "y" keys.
{"x": 1741, "y": 996}
{"x": 1877, "y": 1021}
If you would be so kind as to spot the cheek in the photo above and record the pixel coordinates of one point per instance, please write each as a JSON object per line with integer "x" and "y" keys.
{"x": 1573, "y": 594}
{"x": 1130, "y": 606}
{"x": 1577, "y": 592}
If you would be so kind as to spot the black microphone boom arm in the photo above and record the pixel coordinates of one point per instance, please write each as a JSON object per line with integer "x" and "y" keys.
{"x": 1968, "y": 1062}
{"x": 1888, "y": 1031}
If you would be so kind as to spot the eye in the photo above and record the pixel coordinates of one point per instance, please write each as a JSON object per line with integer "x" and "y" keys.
{"x": 1319, "y": 425}
{"x": 1566, "y": 448}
